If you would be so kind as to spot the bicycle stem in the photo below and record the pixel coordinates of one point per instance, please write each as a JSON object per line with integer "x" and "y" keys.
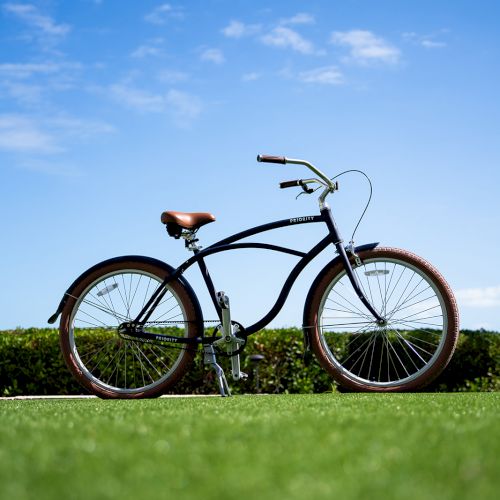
{"x": 329, "y": 185}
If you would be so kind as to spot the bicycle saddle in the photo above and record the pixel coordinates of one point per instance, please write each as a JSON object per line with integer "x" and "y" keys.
{"x": 187, "y": 220}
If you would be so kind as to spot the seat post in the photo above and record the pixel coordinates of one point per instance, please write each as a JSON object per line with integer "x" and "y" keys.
{"x": 190, "y": 240}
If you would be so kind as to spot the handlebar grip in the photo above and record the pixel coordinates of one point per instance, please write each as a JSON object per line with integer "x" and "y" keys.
{"x": 289, "y": 184}
{"x": 271, "y": 159}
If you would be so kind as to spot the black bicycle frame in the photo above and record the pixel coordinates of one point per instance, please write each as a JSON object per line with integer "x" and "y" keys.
{"x": 229, "y": 244}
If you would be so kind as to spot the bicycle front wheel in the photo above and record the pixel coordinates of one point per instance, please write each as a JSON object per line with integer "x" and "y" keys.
{"x": 414, "y": 344}
{"x": 111, "y": 364}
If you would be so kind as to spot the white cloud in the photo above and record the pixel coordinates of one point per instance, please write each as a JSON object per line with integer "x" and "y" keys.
{"x": 139, "y": 100}
{"x": 479, "y": 297}
{"x": 51, "y": 167}
{"x": 327, "y": 75}
{"x": 181, "y": 106}
{"x": 237, "y": 29}
{"x": 33, "y": 17}
{"x": 426, "y": 41}
{"x": 172, "y": 76}
{"x": 365, "y": 47}
{"x": 20, "y": 134}
{"x": 23, "y": 93}
{"x": 184, "y": 107}
{"x": 26, "y": 70}
{"x": 30, "y": 83}
{"x": 79, "y": 128}
{"x": 161, "y": 14}
{"x": 287, "y": 38}
{"x": 145, "y": 51}
{"x": 250, "y": 77}
{"x": 300, "y": 18}
{"x": 213, "y": 55}
{"x": 46, "y": 135}
{"x": 431, "y": 44}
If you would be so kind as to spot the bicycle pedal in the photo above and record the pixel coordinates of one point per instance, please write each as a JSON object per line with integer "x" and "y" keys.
{"x": 222, "y": 300}
{"x": 240, "y": 376}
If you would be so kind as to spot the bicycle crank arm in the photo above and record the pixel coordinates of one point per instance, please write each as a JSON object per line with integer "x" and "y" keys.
{"x": 235, "y": 368}
{"x": 229, "y": 339}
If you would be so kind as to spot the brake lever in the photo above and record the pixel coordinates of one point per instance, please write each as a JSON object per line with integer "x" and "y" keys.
{"x": 305, "y": 190}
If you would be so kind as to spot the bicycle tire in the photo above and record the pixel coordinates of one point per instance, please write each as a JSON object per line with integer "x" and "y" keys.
{"x": 405, "y": 354}
{"x": 152, "y": 368}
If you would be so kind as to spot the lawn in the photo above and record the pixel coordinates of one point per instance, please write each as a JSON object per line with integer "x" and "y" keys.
{"x": 340, "y": 446}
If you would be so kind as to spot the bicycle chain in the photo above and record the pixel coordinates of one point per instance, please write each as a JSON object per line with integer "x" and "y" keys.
{"x": 219, "y": 351}
{"x": 177, "y": 322}
{"x": 169, "y": 345}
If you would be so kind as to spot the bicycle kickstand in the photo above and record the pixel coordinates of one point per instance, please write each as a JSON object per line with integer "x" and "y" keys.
{"x": 209, "y": 359}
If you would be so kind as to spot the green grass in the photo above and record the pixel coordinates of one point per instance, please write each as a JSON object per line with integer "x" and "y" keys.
{"x": 339, "y": 446}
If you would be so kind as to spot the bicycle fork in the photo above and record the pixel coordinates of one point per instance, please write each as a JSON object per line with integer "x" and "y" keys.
{"x": 338, "y": 242}
{"x": 230, "y": 343}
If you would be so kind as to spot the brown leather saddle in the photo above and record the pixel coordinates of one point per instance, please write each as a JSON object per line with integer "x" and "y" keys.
{"x": 177, "y": 221}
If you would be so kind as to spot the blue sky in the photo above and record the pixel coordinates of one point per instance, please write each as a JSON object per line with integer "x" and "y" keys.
{"x": 113, "y": 111}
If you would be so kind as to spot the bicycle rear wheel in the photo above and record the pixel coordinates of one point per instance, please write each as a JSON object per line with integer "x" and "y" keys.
{"x": 110, "y": 364}
{"x": 410, "y": 349}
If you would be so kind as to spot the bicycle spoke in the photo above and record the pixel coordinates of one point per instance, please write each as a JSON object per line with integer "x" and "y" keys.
{"x": 357, "y": 308}
{"x": 403, "y": 292}
{"x": 369, "y": 287}
{"x": 395, "y": 285}
{"x": 410, "y": 296}
{"x": 411, "y": 347}
{"x": 421, "y": 340}
{"x": 149, "y": 362}
{"x": 408, "y": 323}
{"x": 90, "y": 315}
{"x": 135, "y": 291}
{"x": 348, "y": 325}
{"x": 379, "y": 287}
{"x": 403, "y": 346}
{"x": 102, "y": 303}
{"x": 413, "y": 304}
{"x": 107, "y": 311}
{"x": 420, "y": 312}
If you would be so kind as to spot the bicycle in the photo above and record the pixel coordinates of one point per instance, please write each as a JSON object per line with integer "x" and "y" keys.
{"x": 377, "y": 319}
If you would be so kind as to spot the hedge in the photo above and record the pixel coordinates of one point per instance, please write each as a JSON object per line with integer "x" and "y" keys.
{"x": 31, "y": 364}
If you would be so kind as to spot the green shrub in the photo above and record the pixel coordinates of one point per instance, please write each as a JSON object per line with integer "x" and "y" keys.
{"x": 31, "y": 363}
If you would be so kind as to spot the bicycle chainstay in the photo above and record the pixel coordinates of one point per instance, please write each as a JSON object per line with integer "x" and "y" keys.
{"x": 171, "y": 345}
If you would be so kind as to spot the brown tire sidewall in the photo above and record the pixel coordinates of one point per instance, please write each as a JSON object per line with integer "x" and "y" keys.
{"x": 187, "y": 356}
{"x": 451, "y": 334}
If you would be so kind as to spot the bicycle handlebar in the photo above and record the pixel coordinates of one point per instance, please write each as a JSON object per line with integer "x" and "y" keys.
{"x": 327, "y": 183}
{"x": 271, "y": 159}
{"x": 289, "y": 184}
